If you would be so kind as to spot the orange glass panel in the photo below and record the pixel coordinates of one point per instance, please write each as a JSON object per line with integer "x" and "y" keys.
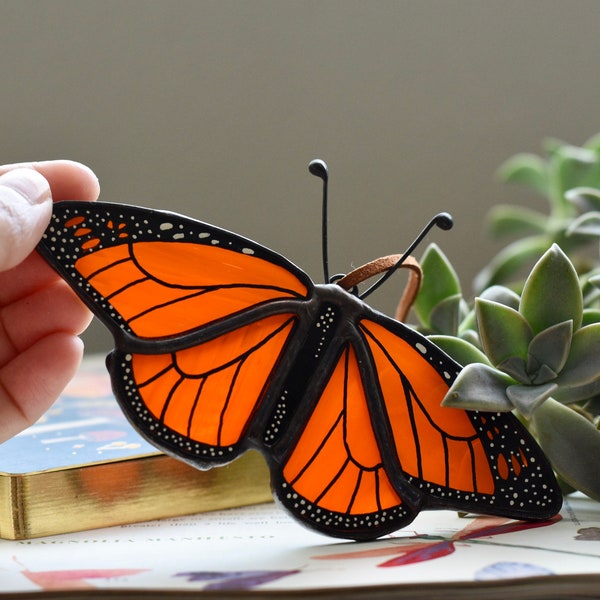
{"x": 460, "y": 476}
{"x": 160, "y": 298}
{"x": 516, "y": 465}
{"x": 323, "y": 419}
{"x": 334, "y": 458}
{"x": 312, "y": 471}
{"x": 388, "y": 497}
{"x": 435, "y": 443}
{"x": 430, "y": 387}
{"x": 484, "y": 480}
{"x": 148, "y": 366}
{"x": 502, "y": 465}
{"x": 360, "y": 438}
{"x": 366, "y": 498}
{"x": 207, "y": 265}
{"x": 212, "y": 389}
{"x": 181, "y": 405}
{"x": 182, "y": 311}
{"x": 89, "y": 264}
{"x": 155, "y": 392}
{"x": 339, "y": 497}
{"x": 74, "y": 221}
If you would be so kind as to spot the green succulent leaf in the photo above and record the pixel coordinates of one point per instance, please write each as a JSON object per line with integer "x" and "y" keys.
{"x": 552, "y": 293}
{"x": 526, "y": 398}
{"x": 516, "y": 367}
{"x": 510, "y": 260}
{"x": 440, "y": 281}
{"x": 445, "y": 316}
{"x": 472, "y": 338}
{"x": 587, "y": 224}
{"x": 580, "y": 393}
{"x": 593, "y": 143}
{"x": 516, "y": 221}
{"x": 574, "y": 167}
{"x": 459, "y": 349}
{"x": 468, "y": 325}
{"x": 590, "y": 316}
{"x": 541, "y": 374}
{"x": 591, "y": 293}
{"x": 526, "y": 169}
{"x": 571, "y": 443}
{"x": 503, "y": 295}
{"x": 593, "y": 406}
{"x": 583, "y": 364}
{"x": 550, "y": 349}
{"x": 586, "y": 199}
{"x": 552, "y": 145}
{"x": 503, "y": 331}
{"x": 595, "y": 281}
{"x": 479, "y": 387}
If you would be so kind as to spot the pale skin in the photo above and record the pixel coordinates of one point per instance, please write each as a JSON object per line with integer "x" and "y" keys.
{"x": 40, "y": 316}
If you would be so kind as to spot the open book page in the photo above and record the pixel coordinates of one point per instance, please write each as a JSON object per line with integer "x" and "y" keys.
{"x": 259, "y": 549}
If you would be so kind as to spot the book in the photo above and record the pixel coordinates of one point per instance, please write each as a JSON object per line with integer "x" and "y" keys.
{"x": 83, "y": 466}
{"x": 260, "y": 552}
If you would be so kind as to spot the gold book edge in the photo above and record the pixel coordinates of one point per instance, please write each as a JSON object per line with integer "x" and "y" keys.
{"x": 126, "y": 491}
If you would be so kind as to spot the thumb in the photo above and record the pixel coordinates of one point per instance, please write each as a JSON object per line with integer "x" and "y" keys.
{"x": 25, "y": 210}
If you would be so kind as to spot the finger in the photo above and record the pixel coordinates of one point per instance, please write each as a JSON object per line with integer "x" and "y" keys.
{"x": 26, "y": 393}
{"x": 51, "y": 309}
{"x": 32, "y": 274}
{"x": 69, "y": 180}
{"x": 25, "y": 209}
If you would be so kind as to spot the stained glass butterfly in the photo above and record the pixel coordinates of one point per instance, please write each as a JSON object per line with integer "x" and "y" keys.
{"x": 222, "y": 345}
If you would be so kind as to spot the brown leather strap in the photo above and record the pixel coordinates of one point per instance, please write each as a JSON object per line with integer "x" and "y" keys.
{"x": 379, "y": 266}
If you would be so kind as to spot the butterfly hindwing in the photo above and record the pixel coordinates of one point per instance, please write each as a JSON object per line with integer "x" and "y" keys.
{"x": 335, "y": 477}
{"x": 198, "y": 402}
{"x": 464, "y": 460}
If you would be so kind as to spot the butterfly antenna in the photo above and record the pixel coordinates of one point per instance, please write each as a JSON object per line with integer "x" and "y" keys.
{"x": 442, "y": 220}
{"x": 318, "y": 168}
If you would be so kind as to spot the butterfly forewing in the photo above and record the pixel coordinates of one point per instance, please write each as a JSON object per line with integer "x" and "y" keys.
{"x": 156, "y": 274}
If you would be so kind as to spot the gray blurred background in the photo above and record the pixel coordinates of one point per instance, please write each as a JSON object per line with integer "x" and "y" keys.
{"x": 214, "y": 109}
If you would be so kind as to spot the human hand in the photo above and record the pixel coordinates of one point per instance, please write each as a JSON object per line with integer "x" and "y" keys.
{"x": 40, "y": 316}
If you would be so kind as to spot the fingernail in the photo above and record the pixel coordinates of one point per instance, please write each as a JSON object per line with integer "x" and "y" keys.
{"x": 28, "y": 183}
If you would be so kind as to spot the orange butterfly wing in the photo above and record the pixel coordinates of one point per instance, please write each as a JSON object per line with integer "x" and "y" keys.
{"x": 166, "y": 276}
{"x": 200, "y": 318}
{"x": 199, "y": 402}
{"x": 459, "y": 459}
{"x": 335, "y": 477}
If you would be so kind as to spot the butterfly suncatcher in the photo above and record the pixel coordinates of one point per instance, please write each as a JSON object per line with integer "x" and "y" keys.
{"x": 222, "y": 345}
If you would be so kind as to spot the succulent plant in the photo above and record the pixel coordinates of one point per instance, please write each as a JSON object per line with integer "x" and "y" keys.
{"x": 533, "y": 348}
{"x": 564, "y": 169}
